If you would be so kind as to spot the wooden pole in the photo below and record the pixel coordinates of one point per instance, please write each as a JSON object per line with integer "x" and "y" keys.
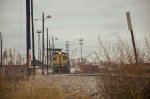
{"x": 28, "y": 41}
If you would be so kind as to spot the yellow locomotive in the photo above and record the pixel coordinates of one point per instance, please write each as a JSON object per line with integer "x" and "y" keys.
{"x": 60, "y": 62}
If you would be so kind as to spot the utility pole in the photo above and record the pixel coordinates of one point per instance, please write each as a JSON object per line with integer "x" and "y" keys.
{"x": 1, "y": 50}
{"x": 47, "y": 51}
{"x": 43, "y": 20}
{"x": 81, "y": 43}
{"x": 33, "y": 51}
{"x": 50, "y": 50}
{"x": 43, "y": 44}
{"x": 28, "y": 34}
{"x": 132, "y": 35}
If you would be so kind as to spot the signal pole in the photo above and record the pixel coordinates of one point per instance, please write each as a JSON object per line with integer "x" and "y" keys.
{"x": 132, "y": 35}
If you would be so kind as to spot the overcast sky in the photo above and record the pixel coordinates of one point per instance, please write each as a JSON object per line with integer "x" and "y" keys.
{"x": 74, "y": 19}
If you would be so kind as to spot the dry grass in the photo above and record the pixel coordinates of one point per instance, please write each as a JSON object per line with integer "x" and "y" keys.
{"x": 28, "y": 90}
{"x": 5, "y": 88}
{"x": 32, "y": 89}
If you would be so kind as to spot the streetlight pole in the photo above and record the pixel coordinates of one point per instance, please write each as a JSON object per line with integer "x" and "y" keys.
{"x": 43, "y": 20}
{"x": 43, "y": 43}
{"x": 47, "y": 51}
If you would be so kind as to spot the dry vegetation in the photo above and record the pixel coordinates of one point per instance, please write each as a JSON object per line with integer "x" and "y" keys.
{"x": 28, "y": 90}
{"x": 72, "y": 86}
{"x": 119, "y": 81}
{"x": 49, "y": 87}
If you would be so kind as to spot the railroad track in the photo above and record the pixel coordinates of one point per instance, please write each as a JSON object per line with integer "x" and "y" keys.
{"x": 101, "y": 75}
{"x": 78, "y": 74}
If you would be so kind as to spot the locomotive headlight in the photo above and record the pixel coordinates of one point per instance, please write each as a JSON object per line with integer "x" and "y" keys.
{"x": 59, "y": 52}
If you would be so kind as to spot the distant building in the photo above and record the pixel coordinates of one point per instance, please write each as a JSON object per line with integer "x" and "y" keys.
{"x": 143, "y": 66}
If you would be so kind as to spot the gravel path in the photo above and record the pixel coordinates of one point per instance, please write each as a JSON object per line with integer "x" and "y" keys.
{"x": 73, "y": 85}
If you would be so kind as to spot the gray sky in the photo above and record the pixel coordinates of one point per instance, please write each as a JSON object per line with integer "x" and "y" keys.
{"x": 74, "y": 19}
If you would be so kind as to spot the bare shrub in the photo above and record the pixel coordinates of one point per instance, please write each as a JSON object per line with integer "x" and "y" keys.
{"x": 118, "y": 80}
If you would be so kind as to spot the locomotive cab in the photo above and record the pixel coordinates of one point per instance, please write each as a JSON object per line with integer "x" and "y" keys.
{"x": 60, "y": 62}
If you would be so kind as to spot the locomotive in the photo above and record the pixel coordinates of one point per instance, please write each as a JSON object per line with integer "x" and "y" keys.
{"x": 60, "y": 61}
